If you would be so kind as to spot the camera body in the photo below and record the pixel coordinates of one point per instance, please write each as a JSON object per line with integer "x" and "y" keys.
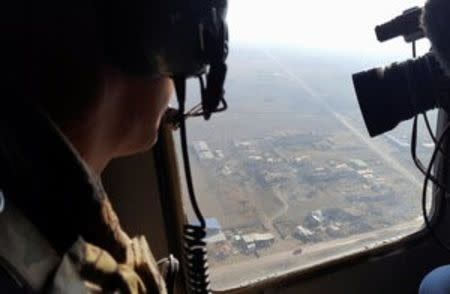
{"x": 398, "y": 92}
{"x": 401, "y": 91}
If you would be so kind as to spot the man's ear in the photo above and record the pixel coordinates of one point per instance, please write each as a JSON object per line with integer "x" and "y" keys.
{"x": 436, "y": 22}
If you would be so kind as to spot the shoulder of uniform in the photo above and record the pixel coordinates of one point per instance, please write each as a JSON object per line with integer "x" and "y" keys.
{"x": 25, "y": 254}
{"x": 140, "y": 257}
{"x": 87, "y": 268}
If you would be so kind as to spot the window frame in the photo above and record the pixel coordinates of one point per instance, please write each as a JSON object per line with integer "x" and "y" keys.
{"x": 166, "y": 163}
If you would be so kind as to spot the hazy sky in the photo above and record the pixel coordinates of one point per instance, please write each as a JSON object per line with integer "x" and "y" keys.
{"x": 340, "y": 25}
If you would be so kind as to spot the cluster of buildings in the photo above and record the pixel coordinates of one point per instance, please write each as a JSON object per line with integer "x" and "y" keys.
{"x": 204, "y": 152}
{"x": 355, "y": 173}
{"x": 269, "y": 167}
{"x": 261, "y": 161}
{"x": 323, "y": 224}
{"x": 221, "y": 247}
{"x": 250, "y": 243}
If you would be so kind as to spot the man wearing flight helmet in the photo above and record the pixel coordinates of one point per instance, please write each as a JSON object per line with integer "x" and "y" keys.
{"x": 436, "y": 21}
{"x": 88, "y": 81}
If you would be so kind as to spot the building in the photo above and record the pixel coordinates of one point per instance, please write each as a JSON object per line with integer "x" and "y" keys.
{"x": 358, "y": 164}
{"x": 255, "y": 158}
{"x": 263, "y": 240}
{"x": 220, "y": 154}
{"x": 273, "y": 177}
{"x": 219, "y": 246}
{"x": 226, "y": 170}
{"x": 334, "y": 230}
{"x": 250, "y": 248}
{"x": 217, "y": 238}
{"x": 314, "y": 219}
{"x": 303, "y": 234}
{"x": 258, "y": 240}
{"x": 202, "y": 150}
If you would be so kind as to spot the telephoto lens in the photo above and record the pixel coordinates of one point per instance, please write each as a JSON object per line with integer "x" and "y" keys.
{"x": 390, "y": 95}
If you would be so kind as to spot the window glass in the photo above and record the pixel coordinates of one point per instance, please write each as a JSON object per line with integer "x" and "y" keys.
{"x": 288, "y": 177}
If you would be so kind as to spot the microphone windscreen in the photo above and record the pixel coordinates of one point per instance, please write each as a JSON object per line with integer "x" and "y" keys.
{"x": 436, "y": 22}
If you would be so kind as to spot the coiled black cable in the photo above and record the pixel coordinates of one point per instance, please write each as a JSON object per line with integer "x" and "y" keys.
{"x": 196, "y": 259}
{"x": 194, "y": 246}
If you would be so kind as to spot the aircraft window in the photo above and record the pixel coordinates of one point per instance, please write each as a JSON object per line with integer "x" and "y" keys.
{"x": 288, "y": 177}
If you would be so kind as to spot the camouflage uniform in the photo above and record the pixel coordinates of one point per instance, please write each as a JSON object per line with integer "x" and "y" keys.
{"x": 58, "y": 231}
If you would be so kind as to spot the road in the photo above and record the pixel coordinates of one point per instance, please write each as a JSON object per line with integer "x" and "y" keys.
{"x": 316, "y": 97}
{"x": 285, "y": 206}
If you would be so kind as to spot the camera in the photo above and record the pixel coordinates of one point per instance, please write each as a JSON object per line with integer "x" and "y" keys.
{"x": 392, "y": 94}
